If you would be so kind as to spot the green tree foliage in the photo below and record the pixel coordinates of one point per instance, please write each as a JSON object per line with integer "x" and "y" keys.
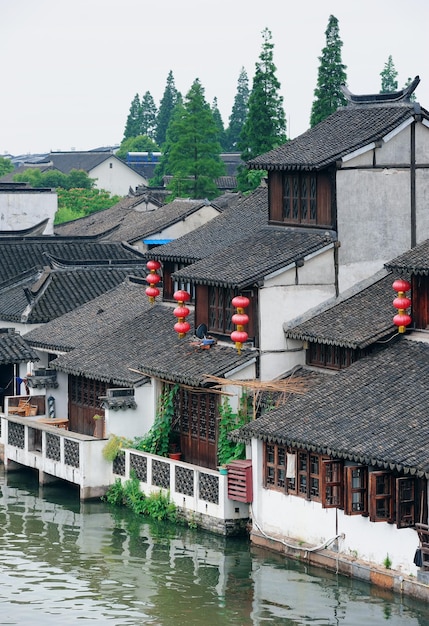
{"x": 167, "y": 105}
{"x": 265, "y": 125}
{"x": 6, "y": 166}
{"x": 134, "y": 121}
{"x": 219, "y": 123}
{"x": 52, "y": 179}
{"x": 75, "y": 203}
{"x": 413, "y": 95}
{"x": 141, "y": 143}
{"x": 331, "y": 75}
{"x": 238, "y": 114}
{"x": 389, "y": 75}
{"x": 148, "y": 116}
{"x": 172, "y": 136}
{"x": 192, "y": 154}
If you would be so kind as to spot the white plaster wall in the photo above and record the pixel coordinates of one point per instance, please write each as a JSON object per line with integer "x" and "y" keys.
{"x": 188, "y": 224}
{"x": 373, "y": 215}
{"x": 117, "y": 179}
{"x": 395, "y": 150}
{"x": 132, "y": 423}
{"x": 422, "y": 144}
{"x": 23, "y": 210}
{"x": 422, "y": 202}
{"x": 281, "y": 300}
{"x": 294, "y": 519}
{"x": 61, "y": 395}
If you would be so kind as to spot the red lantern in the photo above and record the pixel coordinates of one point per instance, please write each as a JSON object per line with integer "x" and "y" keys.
{"x": 401, "y": 302}
{"x": 240, "y": 318}
{"x": 181, "y": 312}
{"x": 153, "y": 279}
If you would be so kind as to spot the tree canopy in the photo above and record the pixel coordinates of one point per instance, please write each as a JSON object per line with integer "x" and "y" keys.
{"x": 238, "y": 114}
{"x": 169, "y": 100}
{"x": 6, "y": 166}
{"x": 133, "y": 125}
{"x": 192, "y": 149}
{"x": 265, "y": 125}
{"x": 52, "y": 179}
{"x": 141, "y": 143}
{"x": 389, "y": 84}
{"x": 331, "y": 75}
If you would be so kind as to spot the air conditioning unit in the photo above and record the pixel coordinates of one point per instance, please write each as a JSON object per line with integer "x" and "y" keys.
{"x": 120, "y": 393}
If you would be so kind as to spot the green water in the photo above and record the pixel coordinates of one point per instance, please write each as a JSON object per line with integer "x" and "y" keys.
{"x": 66, "y": 562}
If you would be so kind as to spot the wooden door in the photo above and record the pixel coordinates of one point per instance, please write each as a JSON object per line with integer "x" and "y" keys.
{"x": 84, "y": 404}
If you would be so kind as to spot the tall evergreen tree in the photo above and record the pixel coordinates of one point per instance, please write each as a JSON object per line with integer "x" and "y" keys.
{"x": 193, "y": 154}
{"x": 389, "y": 75}
{"x": 166, "y": 107}
{"x": 331, "y": 75}
{"x": 219, "y": 123}
{"x": 133, "y": 125}
{"x": 148, "y": 116}
{"x": 238, "y": 114}
{"x": 265, "y": 125}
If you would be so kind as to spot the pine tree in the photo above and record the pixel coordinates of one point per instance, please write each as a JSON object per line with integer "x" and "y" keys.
{"x": 238, "y": 114}
{"x": 148, "y": 116}
{"x": 133, "y": 125}
{"x": 193, "y": 151}
{"x": 331, "y": 75}
{"x": 166, "y": 107}
{"x": 265, "y": 125}
{"x": 389, "y": 75}
{"x": 219, "y": 123}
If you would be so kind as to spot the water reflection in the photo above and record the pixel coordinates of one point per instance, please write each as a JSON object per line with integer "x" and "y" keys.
{"x": 62, "y": 561}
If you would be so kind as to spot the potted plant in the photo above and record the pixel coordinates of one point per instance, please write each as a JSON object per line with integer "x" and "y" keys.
{"x": 174, "y": 446}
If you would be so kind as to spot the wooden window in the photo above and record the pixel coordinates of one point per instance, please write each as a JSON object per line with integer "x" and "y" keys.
{"x": 332, "y": 357}
{"x": 356, "y": 479}
{"x": 275, "y": 466}
{"x": 405, "y": 502}
{"x": 300, "y": 198}
{"x": 333, "y": 484}
{"x": 381, "y": 495}
{"x": 221, "y": 310}
{"x": 170, "y": 286}
{"x": 308, "y": 475}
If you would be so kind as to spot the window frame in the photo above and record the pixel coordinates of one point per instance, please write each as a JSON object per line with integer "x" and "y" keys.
{"x": 361, "y": 491}
{"x": 378, "y": 499}
{"x": 299, "y": 198}
{"x": 332, "y": 484}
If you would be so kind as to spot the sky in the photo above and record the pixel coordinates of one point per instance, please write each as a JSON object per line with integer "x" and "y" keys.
{"x": 70, "y": 68}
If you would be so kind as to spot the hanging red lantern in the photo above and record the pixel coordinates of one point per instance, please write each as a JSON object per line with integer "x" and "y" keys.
{"x": 181, "y": 312}
{"x": 240, "y": 318}
{"x": 153, "y": 279}
{"x": 401, "y": 303}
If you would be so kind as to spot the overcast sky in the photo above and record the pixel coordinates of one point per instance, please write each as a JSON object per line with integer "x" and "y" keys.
{"x": 70, "y": 68}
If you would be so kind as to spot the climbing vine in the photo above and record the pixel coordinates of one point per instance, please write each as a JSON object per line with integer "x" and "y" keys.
{"x": 157, "y": 440}
{"x": 228, "y": 421}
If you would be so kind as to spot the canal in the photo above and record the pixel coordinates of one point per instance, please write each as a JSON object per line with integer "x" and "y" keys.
{"x": 67, "y": 562}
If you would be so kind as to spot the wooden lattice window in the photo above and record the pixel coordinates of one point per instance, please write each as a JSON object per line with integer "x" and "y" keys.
{"x": 405, "y": 502}
{"x": 221, "y": 310}
{"x": 333, "y": 484}
{"x": 275, "y": 466}
{"x": 356, "y": 490}
{"x": 381, "y": 494}
{"x": 300, "y": 198}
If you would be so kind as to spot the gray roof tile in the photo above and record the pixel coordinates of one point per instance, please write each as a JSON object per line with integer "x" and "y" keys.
{"x": 348, "y": 129}
{"x": 374, "y": 412}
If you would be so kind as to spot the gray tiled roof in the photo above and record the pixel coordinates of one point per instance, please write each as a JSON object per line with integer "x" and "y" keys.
{"x": 130, "y": 220}
{"x": 29, "y": 253}
{"x": 15, "y": 349}
{"x": 91, "y": 321}
{"x": 67, "y": 161}
{"x": 252, "y": 258}
{"x": 374, "y": 412}
{"x": 245, "y": 217}
{"x": 354, "y": 320}
{"x": 348, "y": 129}
{"x": 414, "y": 261}
{"x": 149, "y": 344}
